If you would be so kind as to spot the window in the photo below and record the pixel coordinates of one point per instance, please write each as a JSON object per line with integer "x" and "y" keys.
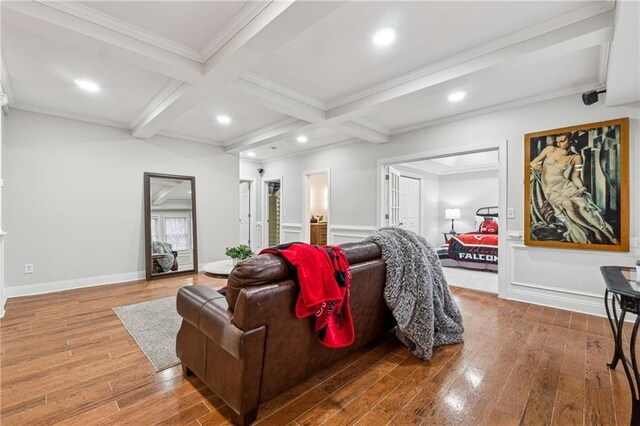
{"x": 177, "y": 232}
{"x": 154, "y": 228}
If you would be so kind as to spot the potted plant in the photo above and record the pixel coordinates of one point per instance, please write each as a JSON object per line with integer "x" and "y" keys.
{"x": 239, "y": 253}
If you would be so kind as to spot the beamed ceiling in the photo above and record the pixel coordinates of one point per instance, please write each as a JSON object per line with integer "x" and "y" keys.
{"x": 284, "y": 69}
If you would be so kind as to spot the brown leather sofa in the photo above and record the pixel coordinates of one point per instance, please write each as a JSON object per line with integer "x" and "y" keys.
{"x": 248, "y": 346}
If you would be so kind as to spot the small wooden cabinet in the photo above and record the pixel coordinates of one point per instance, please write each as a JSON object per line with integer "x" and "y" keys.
{"x": 319, "y": 233}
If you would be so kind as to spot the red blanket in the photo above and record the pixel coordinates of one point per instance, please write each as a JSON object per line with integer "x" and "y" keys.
{"x": 324, "y": 278}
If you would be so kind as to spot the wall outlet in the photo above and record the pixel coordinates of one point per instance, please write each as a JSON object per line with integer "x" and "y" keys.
{"x": 511, "y": 213}
{"x": 28, "y": 268}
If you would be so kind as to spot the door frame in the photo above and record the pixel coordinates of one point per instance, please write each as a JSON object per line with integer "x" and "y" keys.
{"x": 252, "y": 209}
{"x": 265, "y": 209}
{"x": 306, "y": 208}
{"x": 502, "y": 147}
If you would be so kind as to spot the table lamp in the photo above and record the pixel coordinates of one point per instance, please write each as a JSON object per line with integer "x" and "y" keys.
{"x": 452, "y": 214}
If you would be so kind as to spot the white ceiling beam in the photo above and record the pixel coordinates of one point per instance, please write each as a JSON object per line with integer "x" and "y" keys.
{"x": 65, "y": 28}
{"x": 285, "y": 129}
{"x": 581, "y": 35}
{"x": 287, "y": 101}
{"x": 277, "y": 24}
{"x": 279, "y": 101}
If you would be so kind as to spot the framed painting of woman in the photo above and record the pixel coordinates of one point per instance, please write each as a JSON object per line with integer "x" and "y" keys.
{"x": 577, "y": 187}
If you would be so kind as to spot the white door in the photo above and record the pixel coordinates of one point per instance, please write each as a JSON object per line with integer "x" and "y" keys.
{"x": 245, "y": 213}
{"x": 410, "y": 204}
{"x": 393, "y": 197}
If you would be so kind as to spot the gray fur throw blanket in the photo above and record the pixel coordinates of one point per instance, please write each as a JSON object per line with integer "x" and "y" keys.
{"x": 417, "y": 292}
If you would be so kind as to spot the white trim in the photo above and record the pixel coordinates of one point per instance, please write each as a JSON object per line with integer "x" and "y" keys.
{"x": 494, "y": 108}
{"x": 356, "y": 228}
{"x": 191, "y": 138}
{"x": 110, "y": 22}
{"x": 347, "y": 142}
{"x": 233, "y": 27}
{"x": 502, "y": 147}
{"x": 252, "y": 210}
{"x": 512, "y": 39}
{"x": 283, "y": 90}
{"x": 70, "y": 116}
{"x": 568, "y": 251}
{"x": 172, "y": 88}
{"x": 51, "y": 287}
{"x": 306, "y": 201}
{"x": 557, "y": 289}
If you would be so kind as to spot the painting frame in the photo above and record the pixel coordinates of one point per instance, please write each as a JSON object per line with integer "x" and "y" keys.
{"x": 621, "y": 188}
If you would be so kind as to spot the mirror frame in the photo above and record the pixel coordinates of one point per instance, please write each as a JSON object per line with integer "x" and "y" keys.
{"x": 147, "y": 225}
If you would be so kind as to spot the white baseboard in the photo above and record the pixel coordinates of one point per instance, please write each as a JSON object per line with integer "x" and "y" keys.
{"x": 52, "y": 287}
{"x": 582, "y": 303}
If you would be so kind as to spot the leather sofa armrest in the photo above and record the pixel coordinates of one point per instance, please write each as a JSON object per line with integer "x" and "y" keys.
{"x": 206, "y": 309}
{"x": 261, "y": 305}
{"x": 191, "y": 299}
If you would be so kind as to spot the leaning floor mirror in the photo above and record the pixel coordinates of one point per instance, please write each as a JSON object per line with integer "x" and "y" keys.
{"x": 170, "y": 224}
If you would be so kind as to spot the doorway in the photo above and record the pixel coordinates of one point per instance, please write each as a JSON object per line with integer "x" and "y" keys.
{"x": 316, "y": 209}
{"x": 396, "y": 208}
{"x": 245, "y": 212}
{"x": 272, "y": 211}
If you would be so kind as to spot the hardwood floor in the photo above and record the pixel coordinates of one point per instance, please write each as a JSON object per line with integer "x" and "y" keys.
{"x": 66, "y": 358}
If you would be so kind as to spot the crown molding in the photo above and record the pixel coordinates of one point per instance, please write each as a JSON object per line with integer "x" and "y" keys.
{"x": 494, "y": 108}
{"x": 233, "y": 27}
{"x": 123, "y": 27}
{"x": 101, "y": 122}
{"x": 283, "y": 90}
{"x": 550, "y": 25}
{"x": 164, "y": 95}
{"x": 70, "y": 116}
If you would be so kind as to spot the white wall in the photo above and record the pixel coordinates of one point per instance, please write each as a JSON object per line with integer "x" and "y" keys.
{"x": 575, "y": 283}
{"x": 3, "y": 138}
{"x": 74, "y": 200}
{"x": 468, "y": 192}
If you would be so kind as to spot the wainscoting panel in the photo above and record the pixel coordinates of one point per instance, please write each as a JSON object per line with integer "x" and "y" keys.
{"x": 256, "y": 239}
{"x": 292, "y": 232}
{"x": 340, "y": 234}
{"x": 565, "y": 279}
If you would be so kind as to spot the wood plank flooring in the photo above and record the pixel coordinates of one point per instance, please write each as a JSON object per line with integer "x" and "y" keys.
{"x": 67, "y": 359}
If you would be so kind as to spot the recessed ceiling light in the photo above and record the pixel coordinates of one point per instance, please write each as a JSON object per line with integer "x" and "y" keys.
{"x": 223, "y": 119}
{"x": 457, "y": 96}
{"x": 251, "y": 154}
{"x": 302, "y": 139}
{"x": 384, "y": 37}
{"x": 87, "y": 85}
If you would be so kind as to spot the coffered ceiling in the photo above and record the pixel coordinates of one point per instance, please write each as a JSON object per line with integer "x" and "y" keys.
{"x": 279, "y": 70}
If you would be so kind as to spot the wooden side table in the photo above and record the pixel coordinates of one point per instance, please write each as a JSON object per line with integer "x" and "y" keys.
{"x": 625, "y": 293}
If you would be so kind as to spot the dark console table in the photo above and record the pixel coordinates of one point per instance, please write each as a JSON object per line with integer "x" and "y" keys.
{"x": 625, "y": 296}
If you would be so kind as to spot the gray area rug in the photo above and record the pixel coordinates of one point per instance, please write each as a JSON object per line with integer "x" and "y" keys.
{"x": 154, "y": 326}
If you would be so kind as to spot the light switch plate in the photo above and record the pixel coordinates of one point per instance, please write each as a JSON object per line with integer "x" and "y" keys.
{"x": 511, "y": 213}
{"x": 28, "y": 268}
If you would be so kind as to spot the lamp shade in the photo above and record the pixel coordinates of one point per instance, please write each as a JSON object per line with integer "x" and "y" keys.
{"x": 452, "y": 213}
